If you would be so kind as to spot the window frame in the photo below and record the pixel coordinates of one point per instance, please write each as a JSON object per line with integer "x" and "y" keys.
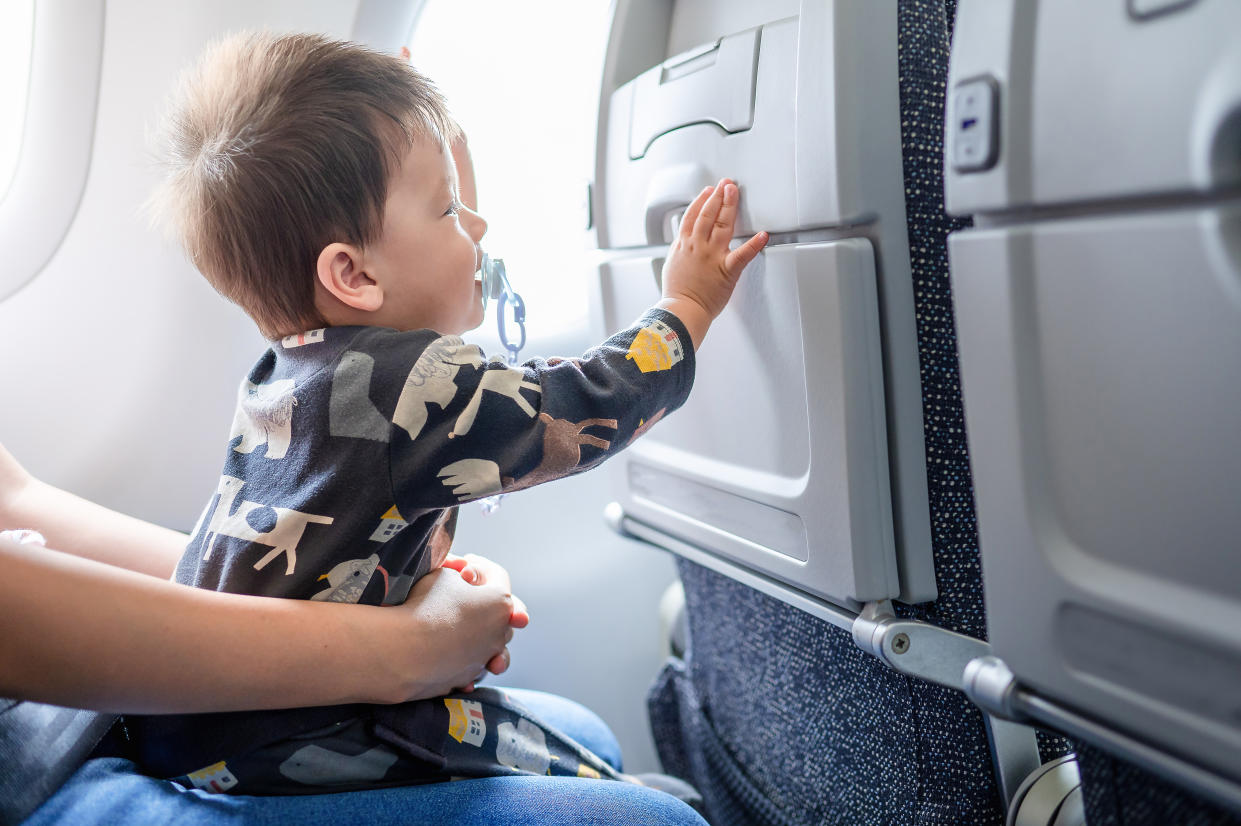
{"x": 57, "y": 136}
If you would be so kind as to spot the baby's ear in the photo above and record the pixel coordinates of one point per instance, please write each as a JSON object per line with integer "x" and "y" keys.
{"x": 341, "y": 271}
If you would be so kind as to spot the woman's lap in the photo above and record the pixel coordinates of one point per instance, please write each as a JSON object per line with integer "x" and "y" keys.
{"x": 109, "y": 790}
{"x": 574, "y": 719}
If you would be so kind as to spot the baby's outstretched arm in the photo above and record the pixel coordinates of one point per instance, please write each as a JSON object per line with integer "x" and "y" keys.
{"x": 465, "y": 427}
{"x": 701, "y": 272}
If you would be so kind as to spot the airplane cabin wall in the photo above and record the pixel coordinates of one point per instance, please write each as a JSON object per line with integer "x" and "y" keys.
{"x": 123, "y": 363}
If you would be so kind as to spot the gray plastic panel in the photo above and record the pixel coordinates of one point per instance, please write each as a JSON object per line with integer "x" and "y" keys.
{"x": 1122, "y": 107}
{"x": 713, "y": 84}
{"x": 779, "y": 459}
{"x": 699, "y": 21}
{"x": 792, "y": 125}
{"x": 1101, "y": 368}
{"x": 817, "y": 154}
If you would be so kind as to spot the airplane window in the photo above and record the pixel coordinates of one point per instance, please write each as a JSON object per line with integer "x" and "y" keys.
{"x": 527, "y": 98}
{"x": 16, "y": 41}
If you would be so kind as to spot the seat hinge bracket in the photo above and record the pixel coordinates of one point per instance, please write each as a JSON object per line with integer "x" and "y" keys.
{"x": 940, "y": 656}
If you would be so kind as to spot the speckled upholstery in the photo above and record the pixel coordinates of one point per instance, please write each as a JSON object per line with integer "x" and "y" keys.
{"x": 1120, "y": 794}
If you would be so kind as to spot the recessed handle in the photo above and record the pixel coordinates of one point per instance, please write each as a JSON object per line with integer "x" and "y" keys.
{"x": 670, "y": 191}
{"x": 712, "y": 84}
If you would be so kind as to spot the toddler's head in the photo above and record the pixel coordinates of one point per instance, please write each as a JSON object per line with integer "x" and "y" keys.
{"x": 311, "y": 182}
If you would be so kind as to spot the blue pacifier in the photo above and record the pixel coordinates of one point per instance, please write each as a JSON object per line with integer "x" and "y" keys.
{"x": 494, "y": 277}
{"x": 496, "y": 285}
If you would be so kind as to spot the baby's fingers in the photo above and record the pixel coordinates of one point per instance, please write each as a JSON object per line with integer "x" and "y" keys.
{"x": 520, "y": 617}
{"x": 462, "y": 566}
{"x": 710, "y": 212}
{"x": 726, "y": 221}
{"x": 691, "y": 212}
{"x": 738, "y": 259}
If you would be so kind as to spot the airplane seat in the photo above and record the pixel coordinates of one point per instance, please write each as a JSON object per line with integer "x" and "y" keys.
{"x": 41, "y": 746}
{"x": 775, "y": 714}
{"x": 1098, "y": 307}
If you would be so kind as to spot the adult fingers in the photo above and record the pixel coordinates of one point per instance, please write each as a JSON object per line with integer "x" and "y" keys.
{"x": 737, "y": 260}
{"x": 500, "y": 662}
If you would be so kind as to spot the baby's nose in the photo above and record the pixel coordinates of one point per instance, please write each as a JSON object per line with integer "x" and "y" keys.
{"x": 475, "y": 225}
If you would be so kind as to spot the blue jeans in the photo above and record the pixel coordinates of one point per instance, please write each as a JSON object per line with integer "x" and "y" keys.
{"x": 110, "y": 790}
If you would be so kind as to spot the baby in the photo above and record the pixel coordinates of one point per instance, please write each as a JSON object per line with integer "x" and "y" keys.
{"x": 313, "y": 183}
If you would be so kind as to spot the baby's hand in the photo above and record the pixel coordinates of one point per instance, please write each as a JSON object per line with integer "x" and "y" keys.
{"x": 462, "y": 566}
{"x": 700, "y": 273}
{"x": 478, "y": 570}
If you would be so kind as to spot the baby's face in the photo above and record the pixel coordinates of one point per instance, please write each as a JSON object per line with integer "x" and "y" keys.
{"x": 428, "y": 252}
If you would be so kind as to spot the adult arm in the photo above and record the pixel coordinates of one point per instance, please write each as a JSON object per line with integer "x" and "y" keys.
{"x": 99, "y": 626}
{"x": 82, "y": 633}
{"x": 84, "y": 528}
{"x": 467, "y": 190}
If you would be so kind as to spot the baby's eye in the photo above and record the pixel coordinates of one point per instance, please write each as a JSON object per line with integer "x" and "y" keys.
{"x": 453, "y": 208}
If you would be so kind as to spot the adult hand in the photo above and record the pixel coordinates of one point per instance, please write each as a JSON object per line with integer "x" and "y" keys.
{"x": 458, "y": 630}
{"x": 479, "y": 570}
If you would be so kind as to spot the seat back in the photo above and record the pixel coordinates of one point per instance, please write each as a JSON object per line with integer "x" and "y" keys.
{"x": 778, "y": 716}
{"x": 1098, "y": 304}
{"x": 799, "y": 455}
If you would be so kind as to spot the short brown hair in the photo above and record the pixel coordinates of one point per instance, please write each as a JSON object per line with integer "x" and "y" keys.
{"x": 275, "y": 147}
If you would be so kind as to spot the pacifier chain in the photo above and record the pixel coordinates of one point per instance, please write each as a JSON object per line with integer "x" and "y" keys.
{"x": 496, "y": 285}
{"x": 519, "y": 318}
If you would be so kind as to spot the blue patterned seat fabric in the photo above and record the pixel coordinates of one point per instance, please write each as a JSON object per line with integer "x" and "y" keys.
{"x": 1120, "y": 794}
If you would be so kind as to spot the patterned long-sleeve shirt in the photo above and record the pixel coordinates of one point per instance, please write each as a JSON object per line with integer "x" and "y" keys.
{"x": 349, "y": 443}
{"x": 348, "y": 447}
